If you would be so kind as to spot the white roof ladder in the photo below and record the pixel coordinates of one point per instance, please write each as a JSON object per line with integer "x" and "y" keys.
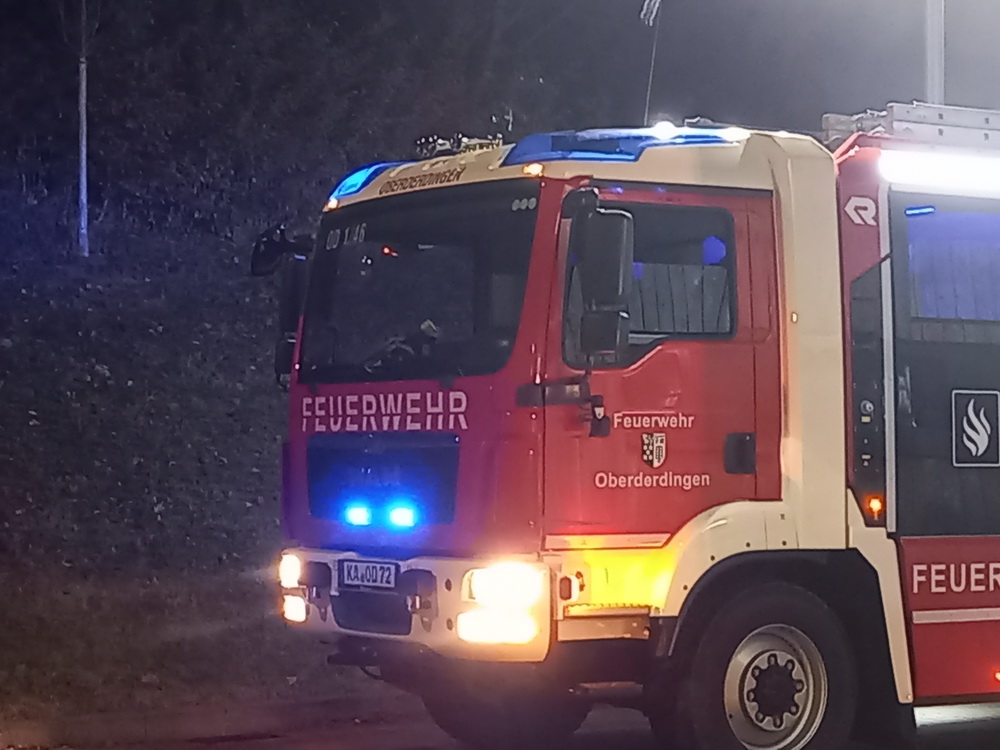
{"x": 927, "y": 123}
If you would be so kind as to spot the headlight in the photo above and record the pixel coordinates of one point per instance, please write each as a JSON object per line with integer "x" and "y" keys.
{"x": 289, "y": 571}
{"x": 294, "y": 608}
{"x": 496, "y": 626}
{"x": 507, "y": 585}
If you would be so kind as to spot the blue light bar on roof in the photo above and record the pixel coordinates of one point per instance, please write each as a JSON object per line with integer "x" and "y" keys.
{"x": 358, "y": 180}
{"x": 622, "y": 144}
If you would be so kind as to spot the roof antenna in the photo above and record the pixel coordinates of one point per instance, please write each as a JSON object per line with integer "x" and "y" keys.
{"x": 650, "y": 10}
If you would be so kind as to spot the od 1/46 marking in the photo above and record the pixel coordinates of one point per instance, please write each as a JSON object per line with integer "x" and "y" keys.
{"x": 357, "y": 574}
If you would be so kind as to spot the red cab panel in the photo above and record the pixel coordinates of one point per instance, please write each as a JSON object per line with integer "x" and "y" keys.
{"x": 458, "y": 454}
{"x": 695, "y": 411}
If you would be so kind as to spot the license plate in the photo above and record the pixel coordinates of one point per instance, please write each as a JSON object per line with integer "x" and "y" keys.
{"x": 357, "y": 574}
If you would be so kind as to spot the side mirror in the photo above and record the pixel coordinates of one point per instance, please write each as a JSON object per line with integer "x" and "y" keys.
{"x": 268, "y": 250}
{"x": 605, "y": 244}
{"x": 294, "y": 277}
{"x": 271, "y": 247}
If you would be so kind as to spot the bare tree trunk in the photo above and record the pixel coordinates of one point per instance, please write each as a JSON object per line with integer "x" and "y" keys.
{"x": 83, "y": 237}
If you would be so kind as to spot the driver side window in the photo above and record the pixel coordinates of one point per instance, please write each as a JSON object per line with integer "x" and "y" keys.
{"x": 683, "y": 280}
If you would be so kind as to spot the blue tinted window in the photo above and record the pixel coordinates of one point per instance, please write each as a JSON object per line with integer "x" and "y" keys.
{"x": 954, "y": 262}
{"x": 681, "y": 275}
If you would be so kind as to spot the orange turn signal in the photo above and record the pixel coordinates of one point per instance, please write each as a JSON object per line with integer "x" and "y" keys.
{"x": 874, "y": 505}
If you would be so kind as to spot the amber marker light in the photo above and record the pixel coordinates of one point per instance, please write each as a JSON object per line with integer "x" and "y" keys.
{"x": 875, "y": 506}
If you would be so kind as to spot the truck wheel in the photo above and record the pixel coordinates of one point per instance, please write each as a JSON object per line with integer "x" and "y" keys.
{"x": 505, "y": 718}
{"x": 772, "y": 671}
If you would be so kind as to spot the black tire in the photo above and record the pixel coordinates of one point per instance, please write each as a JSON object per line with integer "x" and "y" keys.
{"x": 807, "y": 691}
{"x": 505, "y": 719}
{"x": 662, "y": 707}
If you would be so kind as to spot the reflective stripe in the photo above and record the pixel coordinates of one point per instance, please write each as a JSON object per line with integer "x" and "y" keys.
{"x": 605, "y": 541}
{"x": 930, "y": 616}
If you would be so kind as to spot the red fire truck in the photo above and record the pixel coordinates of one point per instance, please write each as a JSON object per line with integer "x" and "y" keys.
{"x": 704, "y": 421}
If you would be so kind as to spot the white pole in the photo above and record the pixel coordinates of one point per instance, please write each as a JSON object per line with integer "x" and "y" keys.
{"x": 935, "y": 51}
{"x": 83, "y": 238}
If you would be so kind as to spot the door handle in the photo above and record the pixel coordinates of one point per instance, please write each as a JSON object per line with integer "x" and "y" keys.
{"x": 904, "y": 397}
{"x": 740, "y": 453}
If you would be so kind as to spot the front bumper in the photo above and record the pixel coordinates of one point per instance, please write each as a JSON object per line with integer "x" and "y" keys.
{"x": 423, "y": 609}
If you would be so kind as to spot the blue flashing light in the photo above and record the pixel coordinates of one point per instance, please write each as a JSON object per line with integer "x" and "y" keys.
{"x": 358, "y": 515}
{"x": 920, "y": 210}
{"x": 697, "y": 139}
{"x": 403, "y": 516}
{"x": 358, "y": 180}
{"x": 624, "y": 144}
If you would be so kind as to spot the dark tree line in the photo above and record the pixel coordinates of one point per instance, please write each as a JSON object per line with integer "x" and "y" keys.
{"x": 217, "y": 115}
{"x": 136, "y": 404}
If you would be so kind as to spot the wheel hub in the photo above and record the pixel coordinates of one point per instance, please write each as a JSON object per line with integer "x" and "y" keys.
{"x": 774, "y": 683}
{"x": 776, "y": 689}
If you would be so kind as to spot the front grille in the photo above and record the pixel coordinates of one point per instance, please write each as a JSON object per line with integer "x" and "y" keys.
{"x": 370, "y": 612}
{"x": 378, "y": 470}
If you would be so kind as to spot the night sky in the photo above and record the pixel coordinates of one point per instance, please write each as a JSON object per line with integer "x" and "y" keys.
{"x": 786, "y": 62}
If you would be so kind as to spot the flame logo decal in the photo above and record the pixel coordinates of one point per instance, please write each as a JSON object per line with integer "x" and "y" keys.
{"x": 976, "y": 430}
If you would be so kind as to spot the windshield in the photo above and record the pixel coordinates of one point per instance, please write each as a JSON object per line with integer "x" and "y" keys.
{"x": 426, "y": 285}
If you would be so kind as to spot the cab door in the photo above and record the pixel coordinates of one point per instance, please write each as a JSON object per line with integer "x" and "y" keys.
{"x": 945, "y": 263}
{"x": 686, "y": 430}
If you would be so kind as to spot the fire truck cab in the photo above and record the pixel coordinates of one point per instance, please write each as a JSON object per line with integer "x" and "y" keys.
{"x": 699, "y": 420}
